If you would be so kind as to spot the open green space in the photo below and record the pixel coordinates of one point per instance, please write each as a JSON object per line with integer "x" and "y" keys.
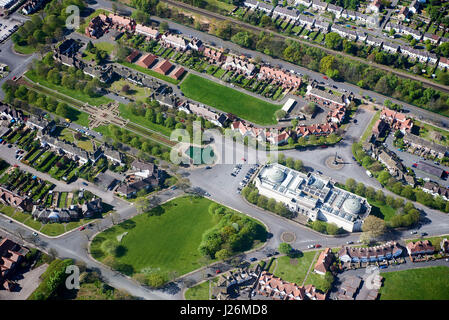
{"x": 79, "y": 95}
{"x": 27, "y": 49}
{"x": 293, "y": 269}
{"x": 149, "y": 72}
{"x": 198, "y": 292}
{"x": 135, "y": 92}
{"x": 380, "y": 210}
{"x": 432, "y": 133}
{"x": 229, "y": 100}
{"x": 416, "y": 284}
{"x": 164, "y": 240}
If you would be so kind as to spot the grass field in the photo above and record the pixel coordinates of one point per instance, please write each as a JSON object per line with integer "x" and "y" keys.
{"x": 416, "y": 284}
{"x": 382, "y": 211}
{"x": 166, "y": 241}
{"x": 24, "y": 49}
{"x": 136, "y": 92}
{"x": 79, "y": 95}
{"x": 293, "y": 270}
{"x": 175, "y": 248}
{"x": 229, "y": 100}
{"x": 198, "y": 292}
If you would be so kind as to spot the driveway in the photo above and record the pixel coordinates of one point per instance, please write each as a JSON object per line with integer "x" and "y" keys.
{"x": 27, "y": 283}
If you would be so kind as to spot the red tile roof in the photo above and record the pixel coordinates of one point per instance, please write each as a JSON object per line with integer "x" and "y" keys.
{"x": 163, "y": 67}
{"x": 177, "y": 73}
{"x": 146, "y": 61}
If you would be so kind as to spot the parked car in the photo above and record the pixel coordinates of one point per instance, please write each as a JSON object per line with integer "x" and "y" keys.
{"x": 423, "y": 234}
{"x": 414, "y": 165}
{"x": 208, "y": 167}
{"x": 413, "y": 232}
{"x": 318, "y": 245}
{"x": 217, "y": 271}
{"x": 252, "y": 259}
{"x": 325, "y": 78}
{"x": 349, "y": 242}
{"x": 383, "y": 266}
{"x": 310, "y": 246}
{"x": 35, "y": 233}
{"x": 85, "y": 184}
{"x": 82, "y": 228}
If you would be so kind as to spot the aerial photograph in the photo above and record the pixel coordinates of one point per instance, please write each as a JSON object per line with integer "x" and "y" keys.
{"x": 223, "y": 155}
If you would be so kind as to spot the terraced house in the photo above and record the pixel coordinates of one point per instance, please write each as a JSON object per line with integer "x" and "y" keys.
{"x": 386, "y": 251}
{"x": 239, "y": 65}
{"x": 283, "y": 77}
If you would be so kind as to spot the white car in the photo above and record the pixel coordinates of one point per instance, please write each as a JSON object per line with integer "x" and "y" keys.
{"x": 310, "y": 246}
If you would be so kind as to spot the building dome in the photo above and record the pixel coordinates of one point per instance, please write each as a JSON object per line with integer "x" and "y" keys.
{"x": 275, "y": 175}
{"x": 352, "y": 206}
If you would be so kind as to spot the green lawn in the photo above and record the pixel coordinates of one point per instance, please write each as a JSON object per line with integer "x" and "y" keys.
{"x": 149, "y": 72}
{"x": 229, "y": 100}
{"x": 416, "y": 284}
{"x": 382, "y": 211}
{"x": 293, "y": 270}
{"x": 198, "y": 292}
{"x": 24, "y": 49}
{"x": 136, "y": 92}
{"x": 79, "y": 95}
{"x": 166, "y": 241}
{"x": 53, "y": 229}
{"x": 175, "y": 248}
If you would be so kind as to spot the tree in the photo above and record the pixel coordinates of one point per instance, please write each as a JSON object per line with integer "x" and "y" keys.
{"x": 374, "y": 226}
{"x": 155, "y": 280}
{"x": 163, "y": 27}
{"x": 310, "y": 108}
{"x": 332, "y": 229}
{"x": 223, "y": 254}
{"x": 298, "y": 165}
{"x": 280, "y": 114}
{"x": 333, "y": 41}
{"x": 285, "y": 248}
{"x": 350, "y": 184}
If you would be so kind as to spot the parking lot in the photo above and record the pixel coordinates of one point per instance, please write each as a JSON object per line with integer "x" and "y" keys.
{"x": 8, "y": 27}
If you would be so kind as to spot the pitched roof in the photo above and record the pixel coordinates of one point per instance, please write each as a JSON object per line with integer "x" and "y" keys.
{"x": 146, "y": 61}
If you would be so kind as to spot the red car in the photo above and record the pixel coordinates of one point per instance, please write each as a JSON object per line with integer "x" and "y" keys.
{"x": 318, "y": 246}
{"x": 325, "y": 78}
{"x": 414, "y": 165}
{"x": 82, "y": 228}
{"x": 217, "y": 271}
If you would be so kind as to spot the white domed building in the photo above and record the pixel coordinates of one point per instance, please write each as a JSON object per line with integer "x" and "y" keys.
{"x": 312, "y": 195}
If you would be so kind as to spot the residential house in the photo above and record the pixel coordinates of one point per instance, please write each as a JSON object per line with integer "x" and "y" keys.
{"x": 324, "y": 261}
{"x": 130, "y": 190}
{"x": 284, "y": 77}
{"x": 319, "y": 5}
{"x": 386, "y": 251}
{"x": 394, "y": 167}
{"x": 380, "y": 128}
{"x": 397, "y": 120}
{"x": 11, "y": 254}
{"x": 337, "y": 10}
{"x": 425, "y": 145}
{"x": 322, "y": 25}
{"x": 277, "y": 289}
{"x": 337, "y": 114}
{"x": 210, "y": 115}
{"x": 113, "y": 155}
{"x": 390, "y": 47}
{"x": 286, "y": 13}
{"x": 76, "y": 153}
{"x": 443, "y": 63}
{"x": 325, "y": 98}
{"x": 196, "y": 44}
{"x": 315, "y": 129}
{"x": 242, "y": 66}
{"x": 120, "y": 23}
{"x": 22, "y": 203}
{"x": 214, "y": 56}
{"x": 307, "y": 21}
{"x": 370, "y": 40}
{"x": 41, "y": 124}
{"x": 174, "y": 41}
{"x": 375, "y": 6}
{"x": 10, "y": 113}
{"x": 306, "y": 3}
{"x": 433, "y": 38}
{"x": 432, "y": 57}
{"x": 147, "y": 31}
{"x": 414, "y": 7}
{"x": 403, "y": 13}
{"x": 265, "y": 7}
{"x": 91, "y": 208}
{"x": 420, "y": 248}
{"x": 344, "y": 32}
{"x": 253, "y": 4}
{"x": 277, "y": 138}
